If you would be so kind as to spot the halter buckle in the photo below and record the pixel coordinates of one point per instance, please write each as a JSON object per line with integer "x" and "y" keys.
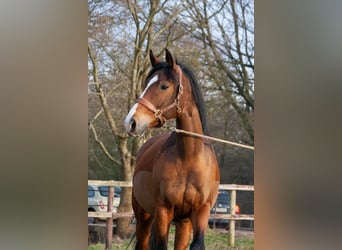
{"x": 157, "y": 114}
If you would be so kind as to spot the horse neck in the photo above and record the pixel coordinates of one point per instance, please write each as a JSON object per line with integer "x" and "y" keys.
{"x": 188, "y": 145}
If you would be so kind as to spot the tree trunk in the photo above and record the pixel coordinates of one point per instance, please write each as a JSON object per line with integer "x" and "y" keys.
{"x": 123, "y": 224}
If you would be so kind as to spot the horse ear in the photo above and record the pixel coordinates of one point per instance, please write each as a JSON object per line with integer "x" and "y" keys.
{"x": 169, "y": 59}
{"x": 154, "y": 60}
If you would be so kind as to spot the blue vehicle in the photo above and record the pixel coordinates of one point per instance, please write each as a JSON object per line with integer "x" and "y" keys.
{"x": 222, "y": 206}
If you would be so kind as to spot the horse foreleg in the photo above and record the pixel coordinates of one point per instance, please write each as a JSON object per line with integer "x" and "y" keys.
{"x": 162, "y": 219}
{"x": 183, "y": 234}
{"x": 199, "y": 221}
{"x": 143, "y": 226}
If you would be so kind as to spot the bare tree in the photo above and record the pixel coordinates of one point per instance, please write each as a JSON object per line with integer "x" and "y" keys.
{"x": 226, "y": 31}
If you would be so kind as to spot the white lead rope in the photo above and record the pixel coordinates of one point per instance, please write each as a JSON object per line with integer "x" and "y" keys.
{"x": 210, "y": 138}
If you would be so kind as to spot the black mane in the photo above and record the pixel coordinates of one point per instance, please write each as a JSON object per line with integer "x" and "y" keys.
{"x": 196, "y": 89}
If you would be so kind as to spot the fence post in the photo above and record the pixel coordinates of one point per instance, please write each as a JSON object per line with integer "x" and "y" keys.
{"x": 109, "y": 226}
{"x": 232, "y": 221}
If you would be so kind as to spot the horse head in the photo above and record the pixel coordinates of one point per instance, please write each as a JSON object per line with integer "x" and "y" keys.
{"x": 160, "y": 99}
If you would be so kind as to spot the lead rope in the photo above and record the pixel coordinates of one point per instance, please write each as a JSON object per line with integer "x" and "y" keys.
{"x": 209, "y": 137}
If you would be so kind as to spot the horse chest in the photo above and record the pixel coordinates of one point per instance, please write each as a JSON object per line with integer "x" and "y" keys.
{"x": 183, "y": 185}
{"x": 184, "y": 199}
{"x": 181, "y": 192}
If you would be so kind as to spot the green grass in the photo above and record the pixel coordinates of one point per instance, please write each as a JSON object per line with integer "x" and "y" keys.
{"x": 213, "y": 240}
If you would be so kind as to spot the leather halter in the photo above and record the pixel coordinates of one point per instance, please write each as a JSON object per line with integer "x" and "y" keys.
{"x": 158, "y": 113}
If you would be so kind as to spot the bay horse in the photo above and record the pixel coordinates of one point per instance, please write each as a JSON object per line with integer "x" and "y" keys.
{"x": 176, "y": 176}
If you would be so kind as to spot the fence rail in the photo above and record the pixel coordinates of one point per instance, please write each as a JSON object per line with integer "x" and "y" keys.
{"x": 109, "y": 215}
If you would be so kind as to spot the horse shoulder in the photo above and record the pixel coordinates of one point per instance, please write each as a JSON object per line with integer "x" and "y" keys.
{"x": 142, "y": 179}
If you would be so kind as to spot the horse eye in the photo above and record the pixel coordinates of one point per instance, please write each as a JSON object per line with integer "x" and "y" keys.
{"x": 164, "y": 86}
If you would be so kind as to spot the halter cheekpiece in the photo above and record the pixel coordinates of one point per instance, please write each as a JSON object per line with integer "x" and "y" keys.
{"x": 158, "y": 113}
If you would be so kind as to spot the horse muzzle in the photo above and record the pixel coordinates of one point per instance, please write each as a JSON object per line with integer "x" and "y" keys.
{"x": 134, "y": 127}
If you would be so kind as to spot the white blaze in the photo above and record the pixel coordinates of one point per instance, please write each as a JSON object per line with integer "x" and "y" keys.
{"x": 130, "y": 115}
{"x": 152, "y": 81}
{"x": 135, "y": 106}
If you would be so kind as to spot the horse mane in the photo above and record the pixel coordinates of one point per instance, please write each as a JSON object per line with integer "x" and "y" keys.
{"x": 196, "y": 89}
{"x": 197, "y": 95}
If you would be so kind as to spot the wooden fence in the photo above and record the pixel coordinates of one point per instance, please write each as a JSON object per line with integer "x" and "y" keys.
{"x": 110, "y": 215}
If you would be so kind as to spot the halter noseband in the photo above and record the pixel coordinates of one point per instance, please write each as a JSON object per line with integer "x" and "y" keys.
{"x": 158, "y": 113}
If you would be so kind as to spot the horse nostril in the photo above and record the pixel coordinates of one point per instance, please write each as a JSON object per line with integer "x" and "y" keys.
{"x": 133, "y": 125}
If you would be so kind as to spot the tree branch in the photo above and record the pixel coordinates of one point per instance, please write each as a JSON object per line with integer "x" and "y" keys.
{"x": 98, "y": 141}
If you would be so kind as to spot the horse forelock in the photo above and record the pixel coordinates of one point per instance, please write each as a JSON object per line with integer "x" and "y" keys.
{"x": 166, "y": 70}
